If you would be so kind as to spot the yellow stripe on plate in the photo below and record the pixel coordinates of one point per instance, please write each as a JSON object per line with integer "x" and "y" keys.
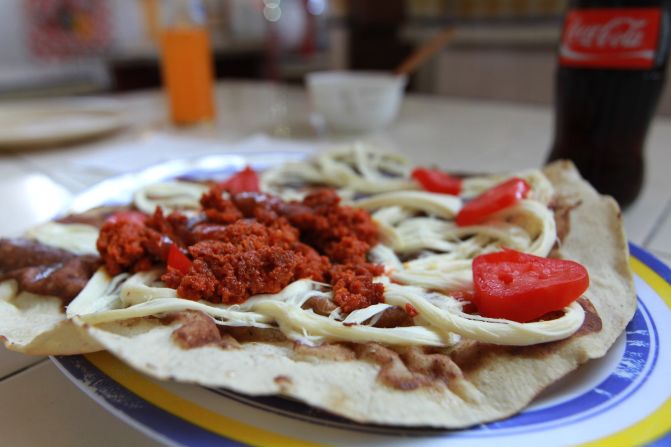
{"x": 656, "y": 282}
{"x": 187, "y": 410}
{"x": 658, "y": 423}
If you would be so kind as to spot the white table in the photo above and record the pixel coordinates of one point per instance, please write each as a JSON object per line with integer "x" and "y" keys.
{"x": 39, "y": 406}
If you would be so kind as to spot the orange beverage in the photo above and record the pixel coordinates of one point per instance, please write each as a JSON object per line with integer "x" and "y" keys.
{"x": 188, "y": 74}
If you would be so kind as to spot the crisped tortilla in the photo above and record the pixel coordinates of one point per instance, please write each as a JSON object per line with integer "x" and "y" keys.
{"x": 34, "y": 324}
{"x": 478, "y": 383}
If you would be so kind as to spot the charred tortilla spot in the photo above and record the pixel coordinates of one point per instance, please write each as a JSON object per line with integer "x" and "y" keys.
{"x": 196, "y": 330}
{"x": 252, "y": 334}
{"x": 337, "y": 352}
{"x": 283, "y": 382}
{"x": 562, "y": 208}
{"x": 410, "y": 368}
{"x": 468, "y": 355}
{"x": 394, "y": 317}
{"x": 393, "y": 371}
{"x": 471, "y": 355}
{"x": 437, "y": 366}
{"x": 320, "y": 305}
{"x": 405, "y": 369}
{"x": 169, "y": 318}
{"x": 592, "y": 321}
{"x": 228, "y": 342}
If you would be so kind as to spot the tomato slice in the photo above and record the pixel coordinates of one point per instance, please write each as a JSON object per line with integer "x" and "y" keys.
{"x": 493, "y": 200}
{"x": 178, "y": 260}
{"x": 433, "y": 180}
{"x": 410, "y": 310}
{"x": 523, "y": 287}
{"x": 246, "y": 180}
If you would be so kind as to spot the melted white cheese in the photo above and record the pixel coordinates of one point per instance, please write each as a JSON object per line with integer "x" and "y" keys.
{"x": 169, "y": 196}
{"x": 443, "y": 324}
{"x": 77, "y": 238}
{"x": 411, "y": 222}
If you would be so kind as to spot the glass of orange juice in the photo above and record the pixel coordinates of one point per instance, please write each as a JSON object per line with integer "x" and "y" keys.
{"x": 187, "y": 62}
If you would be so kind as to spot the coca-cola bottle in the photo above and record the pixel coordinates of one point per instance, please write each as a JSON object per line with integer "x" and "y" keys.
{"x": 612, "y": 60}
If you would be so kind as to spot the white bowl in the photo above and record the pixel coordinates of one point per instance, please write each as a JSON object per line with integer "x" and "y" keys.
{"x": 356, "y": 101}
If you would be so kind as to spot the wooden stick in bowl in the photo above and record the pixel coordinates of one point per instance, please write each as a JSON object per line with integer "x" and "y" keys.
{"x": 428, "y": 49}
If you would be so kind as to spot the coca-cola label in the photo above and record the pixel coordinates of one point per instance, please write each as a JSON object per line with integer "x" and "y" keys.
{"x": 610, "y": 38}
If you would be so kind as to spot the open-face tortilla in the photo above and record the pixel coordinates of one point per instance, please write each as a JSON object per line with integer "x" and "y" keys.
{"x": 35, "y": 324}
{"x": 492, "y": 382}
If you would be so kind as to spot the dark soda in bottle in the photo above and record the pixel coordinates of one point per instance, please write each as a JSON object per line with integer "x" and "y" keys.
{"x": 612, "y": 61}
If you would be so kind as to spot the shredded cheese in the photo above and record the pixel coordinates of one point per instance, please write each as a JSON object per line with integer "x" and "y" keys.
{"x": 416, "y": 226}
{"x": 353, "y": 169}
{"x": 440, "y": 205}
{"x": 77, "y": 238}
{"x": 444, "y": 322}
{"x": 487, "y": 330}
{"x": 169, "y": 196}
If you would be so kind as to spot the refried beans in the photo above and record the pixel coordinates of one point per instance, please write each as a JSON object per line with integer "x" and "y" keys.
{"x": 249, "y": 244}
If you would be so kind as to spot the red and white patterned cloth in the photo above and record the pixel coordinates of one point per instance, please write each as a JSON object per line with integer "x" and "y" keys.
{"x": 66, "y": 29}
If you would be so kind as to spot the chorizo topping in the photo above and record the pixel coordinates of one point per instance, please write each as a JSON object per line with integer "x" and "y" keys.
{"x": 123, "y": 245}
{"x": 247, "y": 244}
{"x": 304, "y": 263}
{"x": 353, "y": 286}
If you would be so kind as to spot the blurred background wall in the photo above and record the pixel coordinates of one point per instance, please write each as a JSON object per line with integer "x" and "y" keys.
{"x": 503, "y": 49}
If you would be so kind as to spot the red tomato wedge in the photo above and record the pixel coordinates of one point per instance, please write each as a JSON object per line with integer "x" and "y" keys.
{"x": 246, "y": 180}
{"x": 523, "y": 287}
{"x": 410, "y": 310}
{"x": 493, "y": 200}
{"x": 178, "y": 260}
{"x": 433, "y": 180}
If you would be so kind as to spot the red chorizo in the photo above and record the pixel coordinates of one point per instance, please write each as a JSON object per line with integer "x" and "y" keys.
{"x": 253, "y": 244}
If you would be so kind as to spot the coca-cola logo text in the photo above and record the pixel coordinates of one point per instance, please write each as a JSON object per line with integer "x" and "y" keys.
{"x": 615, "y": 37}
{"x": 620, "y": 32}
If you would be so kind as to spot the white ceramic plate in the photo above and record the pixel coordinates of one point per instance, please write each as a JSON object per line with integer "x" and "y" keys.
{"x": 52, "y": 123}
{"x": 621, "y": 399}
